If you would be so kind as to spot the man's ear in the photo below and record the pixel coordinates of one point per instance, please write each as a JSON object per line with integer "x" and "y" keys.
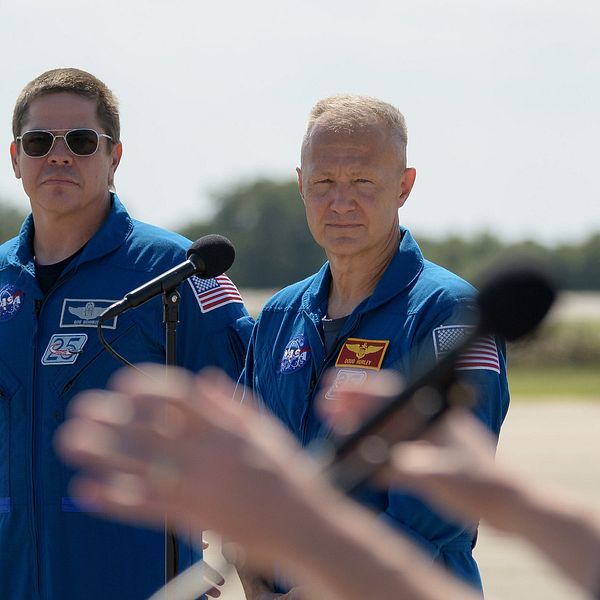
{"x": 406, "y": 183}
{"x": 14, "y": 159}
{"x": 299, "y": 174}
{"x": 117, "y": 152}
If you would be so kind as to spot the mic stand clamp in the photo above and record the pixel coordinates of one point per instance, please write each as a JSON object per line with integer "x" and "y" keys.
{"x": 171, "y": 303}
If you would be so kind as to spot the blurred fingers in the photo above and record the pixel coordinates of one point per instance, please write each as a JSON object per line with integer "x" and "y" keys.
{"x": 346, "y": 402}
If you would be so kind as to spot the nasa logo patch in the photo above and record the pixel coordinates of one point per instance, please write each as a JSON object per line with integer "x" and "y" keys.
{"x": 11, "y": 300}
{"x": 295, "y": 355}
{"x": 64, "y": 348}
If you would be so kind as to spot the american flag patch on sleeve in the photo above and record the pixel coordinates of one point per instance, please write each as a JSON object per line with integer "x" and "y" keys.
{"x": 482, "y": 354}
{"x": 213, "y": 293}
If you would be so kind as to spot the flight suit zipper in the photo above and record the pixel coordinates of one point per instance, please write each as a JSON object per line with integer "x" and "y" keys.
{"x": 316, "y": 377}
{"x": 38, "y": 307}
{"x": 34, "y": 516}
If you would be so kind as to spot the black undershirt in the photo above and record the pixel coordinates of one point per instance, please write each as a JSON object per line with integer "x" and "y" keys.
{"x": 331, "y": 332}
{"x": 47, "y": 275}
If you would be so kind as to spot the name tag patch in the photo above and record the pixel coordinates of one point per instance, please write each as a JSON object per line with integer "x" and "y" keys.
{"x": 364, "y": 354}
{"x": 346, "y": 377}
{"x": 85, "y": 312}
{"x": 64, "y": 348}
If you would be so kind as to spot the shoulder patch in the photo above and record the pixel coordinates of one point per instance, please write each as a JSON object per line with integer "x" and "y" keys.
{"x": 483, "y": 354}
{"x": 295, "y": 355}
{"x": 85, "y": 312}
{"x": 213, "y": 293}
{"x": 363, "y": 354}
{"x": 11, "y": 300}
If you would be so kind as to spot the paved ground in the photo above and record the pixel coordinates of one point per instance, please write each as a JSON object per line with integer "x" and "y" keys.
{"x": 557, "y": 444}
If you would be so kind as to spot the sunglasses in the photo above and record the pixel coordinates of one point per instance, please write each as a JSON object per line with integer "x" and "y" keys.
{"x": 81, "y": 142}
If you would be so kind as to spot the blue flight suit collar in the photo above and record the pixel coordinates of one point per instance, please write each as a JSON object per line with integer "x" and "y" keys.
{"x": 405, "y": 266}
{"x": 114, "y": 230}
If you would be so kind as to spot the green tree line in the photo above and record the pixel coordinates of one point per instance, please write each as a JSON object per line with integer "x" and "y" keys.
{"x": 10, "y": 221}
{"x": 265, "y": 220}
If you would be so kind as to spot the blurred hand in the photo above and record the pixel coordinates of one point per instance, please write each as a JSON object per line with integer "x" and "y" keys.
{"x": 346, "y": 406}
{"x": 452, "y": 467}
{"x": 179, "y": 445}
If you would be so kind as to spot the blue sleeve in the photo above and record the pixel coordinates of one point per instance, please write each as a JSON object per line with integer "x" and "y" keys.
{"x": 247, "y": 374}
{"x": 218, "y": 337}
{"x": 248, "y": 382}
{"x": 443, "y": 539}
{"x": 443, "y": 326}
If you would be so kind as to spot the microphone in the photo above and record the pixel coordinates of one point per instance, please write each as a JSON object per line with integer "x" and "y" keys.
{"x": 207, "y": 257}
{"x": 511, "y": 304}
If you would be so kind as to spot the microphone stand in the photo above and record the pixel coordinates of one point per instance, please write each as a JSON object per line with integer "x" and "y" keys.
{"x": 171, "y": 303}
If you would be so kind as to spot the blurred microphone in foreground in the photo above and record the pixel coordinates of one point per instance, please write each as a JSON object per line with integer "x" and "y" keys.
{"x": 511, "y": 304}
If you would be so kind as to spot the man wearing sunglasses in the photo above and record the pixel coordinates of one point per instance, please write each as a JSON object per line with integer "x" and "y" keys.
{"x": 78, "y": 252}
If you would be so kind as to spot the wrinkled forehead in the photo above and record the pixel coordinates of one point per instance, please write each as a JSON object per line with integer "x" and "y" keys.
{"x": 366, "y": 142}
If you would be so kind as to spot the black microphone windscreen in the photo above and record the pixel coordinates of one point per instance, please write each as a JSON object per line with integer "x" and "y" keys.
{"x": 513, "y": 302}
{"x": 215, "y": 251}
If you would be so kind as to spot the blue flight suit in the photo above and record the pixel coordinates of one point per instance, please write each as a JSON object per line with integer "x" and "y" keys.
{"x": 416, "y": 313}
{"x": 49, "y": 352}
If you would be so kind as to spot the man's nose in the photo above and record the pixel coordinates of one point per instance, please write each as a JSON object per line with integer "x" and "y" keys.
{"x": 60, "y": 153}
{"x": 342, "y": 198}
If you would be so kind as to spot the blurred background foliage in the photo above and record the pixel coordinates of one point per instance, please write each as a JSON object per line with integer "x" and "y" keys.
{"x": 10, "y": 221}
{"x": 265, "y": 220}
{"x": 560, "y": 343}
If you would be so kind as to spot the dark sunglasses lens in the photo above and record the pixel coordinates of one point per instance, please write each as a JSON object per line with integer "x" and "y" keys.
{"x": 37, "y": 143}
{"x": 82, "y": 141}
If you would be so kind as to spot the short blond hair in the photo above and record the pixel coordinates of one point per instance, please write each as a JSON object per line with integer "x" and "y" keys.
{"x": 346, "y": 113}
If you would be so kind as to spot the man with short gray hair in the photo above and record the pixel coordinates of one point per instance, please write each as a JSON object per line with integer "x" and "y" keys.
{"x": 377, "y": 303}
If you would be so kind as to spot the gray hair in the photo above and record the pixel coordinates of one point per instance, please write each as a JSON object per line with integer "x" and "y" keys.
{"x": 347, "y": 113}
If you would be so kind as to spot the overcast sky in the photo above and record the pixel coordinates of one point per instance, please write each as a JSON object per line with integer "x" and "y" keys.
{"x": 502, "y": 98}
